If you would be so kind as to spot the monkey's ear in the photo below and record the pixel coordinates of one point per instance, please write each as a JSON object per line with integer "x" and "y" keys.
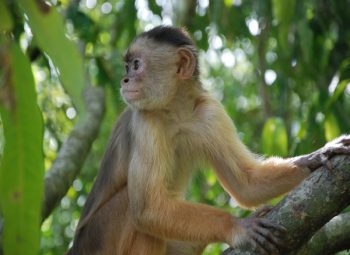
{"x": 186, "y": 65}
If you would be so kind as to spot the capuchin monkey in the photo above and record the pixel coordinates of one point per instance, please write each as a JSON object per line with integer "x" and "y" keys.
{"x": 170, "y": 127}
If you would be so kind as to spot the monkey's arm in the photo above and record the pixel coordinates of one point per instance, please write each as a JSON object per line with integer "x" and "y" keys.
{"x": 160, "y": 212}
{"x": 252, "y": 180}
{"x": 156, "y": 211}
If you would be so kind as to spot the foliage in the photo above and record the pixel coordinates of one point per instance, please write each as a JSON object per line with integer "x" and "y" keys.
{"x": 281, "y": 69}
{"x": 22, "y": 165}
{"x": 48, "y": 30}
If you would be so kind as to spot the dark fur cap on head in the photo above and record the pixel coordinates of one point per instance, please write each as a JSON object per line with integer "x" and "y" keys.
{"x": 177, "y": 37}
{"x": 171, "y": 35}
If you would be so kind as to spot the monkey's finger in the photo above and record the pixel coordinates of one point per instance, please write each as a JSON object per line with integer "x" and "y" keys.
{"x": 268, "y": 224}
{"x": 257, "y": 247}
{"x": 346, "y": 141}
{"x": 260, "y": 212}
{"x": 264, "y": 243}
{"x": 342, "y": 150}
{"x": 325, "y": 162}
{"x": 337, "y": 151}
{"x": 272, "y": 238}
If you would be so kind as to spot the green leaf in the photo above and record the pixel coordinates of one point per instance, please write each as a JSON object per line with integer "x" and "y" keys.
{"x": 274, "y": 138}
{"x": 83, "y": 24}
{"x": 22, "y": 166}
{"x": 337, "y": 93}
{"x": 332, "y": 129}
{"x": 49, "y": 33}
{"x": 306, "y": 40}
{"x": 283, "y": 12}
{"x": 154, "y": 7}
{"x": 228, "y": 3}
{"x": 6, "y": 22}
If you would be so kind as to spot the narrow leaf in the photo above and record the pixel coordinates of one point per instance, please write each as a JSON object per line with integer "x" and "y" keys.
{"x": 332, "y": 129}
{"x": 283, "y": 12}
{"x": 22, "y": 167}
{"x": 6, "y": 22}
{"x": 49, "y": 33}
{"x": 274, "y": 138}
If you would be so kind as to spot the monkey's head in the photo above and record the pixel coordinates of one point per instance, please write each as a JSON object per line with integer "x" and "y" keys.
{"x": 157, "y": 63}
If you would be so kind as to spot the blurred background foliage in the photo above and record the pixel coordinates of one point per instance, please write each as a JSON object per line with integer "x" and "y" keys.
{"x": 281, "y": 69}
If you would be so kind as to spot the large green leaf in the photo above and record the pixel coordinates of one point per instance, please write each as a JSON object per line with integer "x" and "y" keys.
{"x": 6, "y": 22}
{"x": 22, "y": 166}
{"x": 49, "y": 33}
{"x": 331, "y": 126}
{"x": 274, "y": 138}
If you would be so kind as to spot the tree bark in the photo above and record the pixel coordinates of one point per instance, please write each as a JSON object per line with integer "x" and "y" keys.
{"x": 321, "y": 196}
{"x": 332, "y": 238}
{"x": 74, "y": 151}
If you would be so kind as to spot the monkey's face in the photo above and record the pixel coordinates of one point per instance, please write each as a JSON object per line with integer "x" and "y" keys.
{"x": 151, "y": 74}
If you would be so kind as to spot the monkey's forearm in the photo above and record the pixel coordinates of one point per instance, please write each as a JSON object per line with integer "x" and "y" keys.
{"x": 267, "y": 179}
{"x": 184, "y": 221}
{"x": 203, "y": 224}
{"x": 276, "y": 176}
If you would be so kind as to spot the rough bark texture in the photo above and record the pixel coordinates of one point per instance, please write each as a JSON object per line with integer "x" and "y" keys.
{"x": 333, "y": 237}
{"x": 74, "y": 151}
{"x": 324, "y": 194}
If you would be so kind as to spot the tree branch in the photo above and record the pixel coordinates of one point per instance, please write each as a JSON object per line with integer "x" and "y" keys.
{"x": 74, "y": 151}
{"x": 332, "y": 238}
{"x": 324, "y": 194}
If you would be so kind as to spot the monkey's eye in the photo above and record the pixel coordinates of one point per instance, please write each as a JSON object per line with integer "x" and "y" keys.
{"x": 136, "y": 64}
{"x": 126, "y": 68}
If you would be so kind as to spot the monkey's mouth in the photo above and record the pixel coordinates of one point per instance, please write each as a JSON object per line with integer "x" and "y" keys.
{"x": 130, "y": 94}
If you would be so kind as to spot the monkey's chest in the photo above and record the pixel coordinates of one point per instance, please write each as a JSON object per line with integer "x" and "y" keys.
{"x": 187, "y": 158}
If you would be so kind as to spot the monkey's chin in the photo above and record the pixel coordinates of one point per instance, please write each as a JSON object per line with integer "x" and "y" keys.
{"x": 131, "y": 95}
{"x": 133, "y": 101}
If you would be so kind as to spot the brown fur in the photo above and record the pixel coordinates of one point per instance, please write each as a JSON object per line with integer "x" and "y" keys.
{"x": 136, "y": 205}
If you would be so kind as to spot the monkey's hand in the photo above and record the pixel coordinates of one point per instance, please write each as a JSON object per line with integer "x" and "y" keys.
{"x": 262, "y": 211}
{"x": 264, "y": 236}
{"x": 314, "y": 160}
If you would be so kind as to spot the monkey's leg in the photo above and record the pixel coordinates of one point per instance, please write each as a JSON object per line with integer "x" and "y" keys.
{"x": 146, "y": 244}
{"x": 184, "y": 248}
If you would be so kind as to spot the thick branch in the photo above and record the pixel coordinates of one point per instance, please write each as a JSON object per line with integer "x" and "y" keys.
{"x": 306, "y": 209}
{"x": 74, "y": 151}
{"x": 332, "y": 238}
